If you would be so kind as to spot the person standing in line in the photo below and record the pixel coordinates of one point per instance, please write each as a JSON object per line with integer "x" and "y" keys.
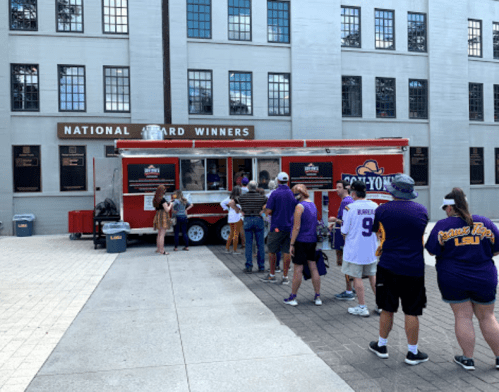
{"x": 244, "y": 185}
{"x": 281, "y": 206}
{"x": 180, "y": 206}
{"x": 303, "y": 244}
{"x": 464, "y": 245}
{"x": 359, "y": 257}
{"x": 268, "y": 219}
{"x": 244, "y": 189}
{"x": 400, "y": 225}
{"x": 252, "y": 204}
{"x": 161, "y": 219}
{"x": 338, "y": 242}
{"x": 234, "y": 219}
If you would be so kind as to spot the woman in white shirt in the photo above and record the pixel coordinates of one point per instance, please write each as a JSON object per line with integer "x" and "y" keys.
{"x": 234, "y": 219}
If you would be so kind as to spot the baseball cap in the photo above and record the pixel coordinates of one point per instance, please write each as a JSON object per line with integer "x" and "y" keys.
{"x": 358, "y": 186}
{"x": 283, "y": 176}
{"x": 244, "y": 181}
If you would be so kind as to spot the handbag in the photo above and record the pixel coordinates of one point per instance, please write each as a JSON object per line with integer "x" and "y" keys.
{"x": 322, "y": 264}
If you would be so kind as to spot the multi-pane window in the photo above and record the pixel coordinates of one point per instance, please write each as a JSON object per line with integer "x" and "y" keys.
{"x": 474, "y": 38}
{"x": 351, "y": 96}
{"x": 200, "y": 92}
{"x": 240, "y": 93}
{"x": 240, "y": 20}
{"x": 416, "y": 32}
{"x": 350, "y": 27}
{"x": 418, "y": 98}
{"x": 279, "y": 94}
{"x": 385, "y": 98}
{"x": 384, "y": 29}
{"x": 23, "y": 15}
{"x": 115, "y": 14}
{"x": 495, "y": 39}
{"x": 71, "y": 88}
{"x": 496, "y": 102}
{"x": 25, "y": 87}
{"x": 278, "y": 21}
{"x": 69, "y": 15}
{"x": 476, "y": 101}
{"x": 116, "y": 89}
{"x": 199, "y": 18}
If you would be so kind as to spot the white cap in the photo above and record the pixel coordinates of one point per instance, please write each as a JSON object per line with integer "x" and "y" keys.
{"x": 283, "y": 176}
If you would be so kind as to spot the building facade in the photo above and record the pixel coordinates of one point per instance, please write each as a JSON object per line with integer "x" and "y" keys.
{"x": 292, "y": 69}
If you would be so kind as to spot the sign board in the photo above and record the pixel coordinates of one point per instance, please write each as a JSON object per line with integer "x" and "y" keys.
{"x": 27, "y": 168}
{"x": 73, "y": 168}
{"x": 145, "y": 177}
{"x": 314, "y": 175}
{"x": 419, "y": 165}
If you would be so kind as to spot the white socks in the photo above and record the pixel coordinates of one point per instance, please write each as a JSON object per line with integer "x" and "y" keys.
{"x": 382, "y": 342}
{"x": 413, "y": 349}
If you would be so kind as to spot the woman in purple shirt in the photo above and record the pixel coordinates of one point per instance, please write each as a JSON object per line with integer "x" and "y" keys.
{"x": 467, "y": 277}
{"x": 303, "y": 243}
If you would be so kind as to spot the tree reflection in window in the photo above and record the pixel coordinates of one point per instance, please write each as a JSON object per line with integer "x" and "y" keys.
{"x": 384, "y": 21}
{"x": 495, "y": 39}
{"x": 70, "y": 15}
{"x": 476, "y": 101}
{"x": 350, "y": 27}
{"x": 351, "y": 96}
{"x": 240, "y": 89}
{"x": 24, "y": 87}
{"x": 385, "y": 98}
{"x": 416, "y": 32}
{"x": 200, "y": 92}
{"x": 496, "y": 102}
{"x": 474, "y": 38}
{"x": 23, "y": 15}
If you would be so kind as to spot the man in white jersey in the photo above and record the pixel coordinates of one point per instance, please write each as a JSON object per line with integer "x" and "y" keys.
{"x": 359, "y": 253}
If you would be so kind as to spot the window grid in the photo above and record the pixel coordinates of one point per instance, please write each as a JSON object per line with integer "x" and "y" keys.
{"x": 384, "y": 22}
{"x": 72, "y": 88}
{"x": 199, "y": 19}
{"x": 117, "y": 89}
{"x": 115, "y": 16}
{"x": 474, "y": 38}
{"x": 200, "y": 91}
{"x": 351, "y": 96}
{"x": 476, "y": 101}
{"x": 496, "y": 102}
{"x": 416, "y": 32}
{"x": 240, "y": 20}
{"x": 350, "y": 27}
{"x": 385, "y": 98}
{"x": 279, "y": 94}
{"x": 240, "y": 93}
{"x": 69, "y": 15}
{"x": 25, "y": 87}
{"x": 495, "y": 39}
{"x": 278, "y": 21}
{"x": 418, "y": 99}
{"x": 23, "y": 15}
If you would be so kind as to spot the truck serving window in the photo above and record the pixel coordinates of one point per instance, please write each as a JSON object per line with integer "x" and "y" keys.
{"x": 242, "y": 167}
{"x": 192, "y": 174}
{"x": 268, "y": 169}
{"x": 216, "y": 177}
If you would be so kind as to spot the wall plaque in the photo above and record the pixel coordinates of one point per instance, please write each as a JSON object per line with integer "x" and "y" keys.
{"x": 27, "y": 168}
{"x": 419, "y": 165}
{"x": 73, "y": 168}
{"x": 476, "y": 166}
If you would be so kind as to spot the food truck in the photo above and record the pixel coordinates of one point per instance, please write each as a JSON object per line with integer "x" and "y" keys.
{"x": 207, "y": 170}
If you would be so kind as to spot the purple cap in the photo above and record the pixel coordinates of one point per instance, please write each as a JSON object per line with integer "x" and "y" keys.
{"x": 244, "y": 181}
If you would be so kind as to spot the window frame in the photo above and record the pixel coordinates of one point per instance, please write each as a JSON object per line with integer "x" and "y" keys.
{"x": 470, "y": 84}
{"x": 360, "y": 26}
{"x": 129, "y": 87}
{"x": 268, "y": 94}
{"x": 289, "y": 22}
{"x": 59, "y": 66}
{"x": 239, "y": 24}
{"x": 189, "y": 88}
{"x": 23, "y": 29}
{"x": 426, "y": 99}
{"x": 12, "y": 65}
{"x": 115, "y": 32}
{"x": 252, "y": 110}
{"x": 481, "y": 38}
{"x": 69, "y": 31}
{"x": 425, "y": 31}
{"x": 394, "y": 97}
{"x": 393, "y": 20}
{"x": 187, "y": 20}
{"x": 360, "y": 95}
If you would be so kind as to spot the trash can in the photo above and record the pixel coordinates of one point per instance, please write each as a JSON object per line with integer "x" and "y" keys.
{"x": 23, "y": 224}
{"x": 116, "y": 233}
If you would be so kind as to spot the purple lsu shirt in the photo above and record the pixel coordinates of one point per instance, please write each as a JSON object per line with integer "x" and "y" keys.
{"x": 282, "y": 202}
{"x": 346, "y": 201}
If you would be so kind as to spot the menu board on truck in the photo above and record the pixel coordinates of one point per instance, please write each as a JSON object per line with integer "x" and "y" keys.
{"x": 314, "y": 175}
{"x": 27, "y": 171}
{"x": 146, "y": 177}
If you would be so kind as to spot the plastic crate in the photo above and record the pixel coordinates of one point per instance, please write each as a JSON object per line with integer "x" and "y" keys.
{"x": 80, "y": 222}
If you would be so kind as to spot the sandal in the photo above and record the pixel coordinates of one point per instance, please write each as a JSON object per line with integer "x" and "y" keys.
{"x": 164, "y": 253}
{"x": 175, "y": 249}
{"x": 186, "y": 249}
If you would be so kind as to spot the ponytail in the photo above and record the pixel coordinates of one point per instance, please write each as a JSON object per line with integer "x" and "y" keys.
{"x": 461, "y": 206}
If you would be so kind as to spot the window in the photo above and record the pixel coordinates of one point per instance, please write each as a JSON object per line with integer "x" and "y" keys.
{"x": 350, "y": 27}
{"x": 476, "y": 101}
{"x": 279, "y": 94}
{"x": 267, "y": 169}
{"x": 73, "y": 168}
{"x": 496, "y": 151}
{"x": 240, "y": 20}
{"x": 242, "y": 167}
{"x": 115, "y": 16}
{"x": 70, "y": 15}
{"x": 23, "y": 15}
{"x": 24, "y": 87}
{"x": 476, "y": 166}
{"x": 384, "y": 24}
{"x": 194, "y": 177}
{"x": 418, "y": 98}
{"x": 117, "y": 89}
{"x": 216, "y": 178}
{"x": 496, "y": 102}
{"x": 199, "y": 18}
{"x": 71, "y": 88}
{"x": 385, "y": 97}
{"x": 240, "y": 93}
{"x": 416, "y": 32}
{"x": 495, "y": 39}
{"x": 200, "y": 92}
{"x": 278, "y": 21}
{"x": 351, "y": 96}
{"x": 474, "y": 38}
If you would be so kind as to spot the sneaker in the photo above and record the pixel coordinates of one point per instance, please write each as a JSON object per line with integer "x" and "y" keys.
{"x": 248, "y": 270}
{"x": 261, "y": 271}
{"x": 380, "y": 351}
{"x": 317, "y": 299}
{"x": 466, "y": 363}
{"x": 235, "y": 253}
{"x": 378, "y": 310}
{"x": 358, "y": 311}
{"x": 497, "y": 363}
{"x": 227, "y": 251}
{"x": 344, "y": 296}
{"x": 269, "y": 279}
{"x": 291, "y": 300}
{"x": 277, "y": 269}
{"x": 285, "y": 280}
{"x": 414, "y": 359}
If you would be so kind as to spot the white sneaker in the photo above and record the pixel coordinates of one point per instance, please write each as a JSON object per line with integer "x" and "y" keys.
{"x": 318, "y": 301}
{"x": 285, "y": 280}
{"x": 358, "y": 311}
{"x": 291, "y": 300}
{"x": 378, "y": 310}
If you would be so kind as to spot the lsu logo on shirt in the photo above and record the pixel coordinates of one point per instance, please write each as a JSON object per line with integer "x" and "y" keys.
{"x": 465, "y": 236}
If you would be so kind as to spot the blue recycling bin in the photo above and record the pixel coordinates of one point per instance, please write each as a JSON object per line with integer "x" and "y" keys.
{"x": 23, "y": 224}
{"x": 116, "y": 234}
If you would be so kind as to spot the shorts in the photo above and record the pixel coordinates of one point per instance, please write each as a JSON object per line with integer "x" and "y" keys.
{"x": 279, "y": 241}
{"x": 304, "y": 251}
{"x": 337, "y": 239}
{"x": 358, "y": 270}
{"x": 392, "y": 288}
{"x": 457, "y": 289}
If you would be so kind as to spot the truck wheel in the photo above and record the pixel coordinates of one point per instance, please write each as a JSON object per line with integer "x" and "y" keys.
{"x": 197, "y": 232}
{"x": 223, "y": 232}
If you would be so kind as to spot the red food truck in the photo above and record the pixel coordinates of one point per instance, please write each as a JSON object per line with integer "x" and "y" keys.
{"x": 207, "y": 170}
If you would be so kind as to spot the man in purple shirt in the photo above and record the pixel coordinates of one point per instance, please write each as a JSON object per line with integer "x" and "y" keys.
{"x": 281, "y": 205}
{"x": 338, "y": 242}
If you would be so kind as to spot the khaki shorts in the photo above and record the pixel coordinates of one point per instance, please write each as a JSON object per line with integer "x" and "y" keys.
{"x": 358, "y": 270}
